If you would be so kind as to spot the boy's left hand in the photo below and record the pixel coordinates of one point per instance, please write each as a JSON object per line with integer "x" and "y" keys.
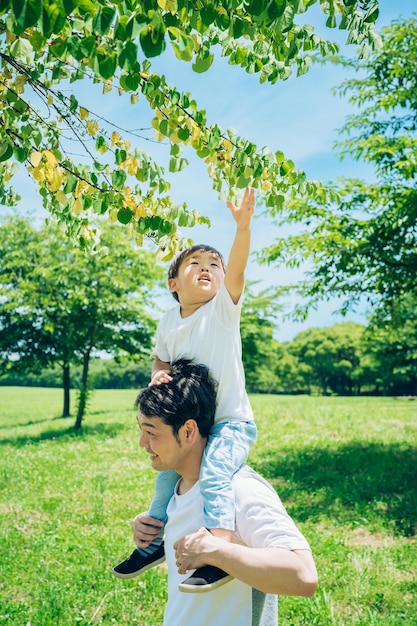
{"x": 242, "y": 214}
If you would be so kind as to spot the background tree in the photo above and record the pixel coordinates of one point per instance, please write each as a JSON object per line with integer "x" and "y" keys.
{"x": 366, "y": 245}
{"x": 293, "y": 376}
{"x": 60, "y": 305}
{"x": 47, "y": 46}
{"x": 391, "y": 340}
{"x": 259, "y": 348}
{"x": 331, "y": 354}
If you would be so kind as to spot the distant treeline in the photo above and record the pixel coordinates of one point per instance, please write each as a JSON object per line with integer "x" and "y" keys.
{"x": 337, "y": 360}
{"x": 104, "y": 374}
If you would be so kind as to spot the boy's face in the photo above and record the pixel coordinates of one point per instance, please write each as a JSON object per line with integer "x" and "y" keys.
{"x": 199, "y": 278}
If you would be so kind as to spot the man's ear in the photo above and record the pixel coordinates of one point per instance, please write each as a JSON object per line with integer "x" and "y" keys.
{"x": 190, "y": 430}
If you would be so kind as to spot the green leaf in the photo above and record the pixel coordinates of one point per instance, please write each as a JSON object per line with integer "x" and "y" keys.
{"x": 124, "y": 215}
{"x": 118, "y": 178}
{"x": 183, "y": 219}
{"x": 120, "y": 156}
{"x": 53, "y": 19}
{"x": 21, "y": 154}
{"x": 183, "y": 134}
{"x": 6, "y": 151}
{"x": 242, "y": 182}
{"x": 37, "y": 40}
{"x": 177, "y": 164}
{"x": 104, "y": 20}
{"x": 372, "y": 13}
{"x": 152, "y": 37}
{"x": 128, "y": 56}
{"x": 202, "y": 62}
{"x": 59, "y": 47}
{"x": 286, "y": 167}
{"x": 164, "y": 128}
{"x": 86, "y": 6}
{"x": 22, "y": 49}
{"x": 69, "y": 6}
{"x": 100, "y": 167}
{"x": 106, "y": 64}
{"x": 165, "y": 227}
{"x": 331, "y": 21}
{"x": 276, "y": 9}
{"x": 155, "y": 221}
{"x": 183, "y": 44}
{"x": 256, "y": 7}
{"x": 279, "y": 157}
{"x": 142, "y": 225}
{"x": 239, "y": 27}
{"x": 4, "y": 6}
{"x": 88, "y": 46}
{"x": 134, "y": 27}
{"x": 27, "y": 13}
{"x": 129, "y": 82}
{"x": 70, "y": 184}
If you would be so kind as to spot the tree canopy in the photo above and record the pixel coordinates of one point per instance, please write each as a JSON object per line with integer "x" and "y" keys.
{"x": 45, "y": 47}
{"x": 61, "y": 306}
{"x": 366, "y": 245}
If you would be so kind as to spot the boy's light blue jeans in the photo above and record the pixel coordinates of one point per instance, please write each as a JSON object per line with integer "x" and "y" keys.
{"x": 226, "y": 451}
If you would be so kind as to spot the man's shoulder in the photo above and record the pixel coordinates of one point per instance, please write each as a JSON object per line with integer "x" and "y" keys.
{"x": 246, "y": 476}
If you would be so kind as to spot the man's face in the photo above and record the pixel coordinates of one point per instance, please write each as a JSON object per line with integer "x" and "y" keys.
{"x": 199, "y": 278}
{"x": 165, "y": 450}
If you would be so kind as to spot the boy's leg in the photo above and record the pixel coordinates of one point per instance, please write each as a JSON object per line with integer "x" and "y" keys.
{"x": 143, "y": 559}
{"x": 164, "y": 489}
{"x": 226, "y": 451}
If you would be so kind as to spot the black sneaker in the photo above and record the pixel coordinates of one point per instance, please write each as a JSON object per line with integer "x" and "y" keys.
{"x": 137, "y": 563}
{"x": 205, "y": 578}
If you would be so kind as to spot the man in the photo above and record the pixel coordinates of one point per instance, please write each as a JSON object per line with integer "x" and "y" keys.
{"x": 268, "y": 555}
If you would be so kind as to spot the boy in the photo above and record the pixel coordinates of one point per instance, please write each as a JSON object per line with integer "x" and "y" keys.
{"x": 205, "y": 326}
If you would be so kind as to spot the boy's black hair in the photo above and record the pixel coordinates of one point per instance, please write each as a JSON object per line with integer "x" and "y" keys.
{"x": 200, "y": 247}
{"x": 191, "y": 394}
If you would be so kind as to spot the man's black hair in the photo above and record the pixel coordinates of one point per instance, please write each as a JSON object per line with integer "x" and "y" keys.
{"x": 191, "y": 394}
{"x": 200, "y": 247}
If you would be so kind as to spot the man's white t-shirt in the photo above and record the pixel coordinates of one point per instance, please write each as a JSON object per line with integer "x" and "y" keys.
{"x": 261, "y": 521}
{"x": 210, "y": 336}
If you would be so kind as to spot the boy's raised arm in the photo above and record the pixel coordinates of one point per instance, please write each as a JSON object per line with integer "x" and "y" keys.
{"x": 234, "y": 278}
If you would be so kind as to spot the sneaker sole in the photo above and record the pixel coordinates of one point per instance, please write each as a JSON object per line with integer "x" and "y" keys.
{"x": 204, "y": 588}
{"x": 140, "y": 571}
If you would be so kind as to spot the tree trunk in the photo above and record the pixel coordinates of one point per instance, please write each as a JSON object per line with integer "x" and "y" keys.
{"x": 66, "y": 385}
{"x": 83, "y": 392}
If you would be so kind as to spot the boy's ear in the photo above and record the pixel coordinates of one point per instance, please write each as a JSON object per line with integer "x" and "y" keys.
{"x": 172, "y": 284}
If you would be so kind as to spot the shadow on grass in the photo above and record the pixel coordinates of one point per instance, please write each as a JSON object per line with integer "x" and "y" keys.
{"x": 31, "y": 422}
{"x": 356, "y": 482}
{"x": 98, "y": 430}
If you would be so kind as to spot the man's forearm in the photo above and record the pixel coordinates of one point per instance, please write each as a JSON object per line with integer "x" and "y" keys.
{"x": 271, "y": 570}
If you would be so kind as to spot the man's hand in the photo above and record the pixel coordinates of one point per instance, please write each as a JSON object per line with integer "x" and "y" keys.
{"x": 193, "y": 551}
{"x": 145, "y": 529}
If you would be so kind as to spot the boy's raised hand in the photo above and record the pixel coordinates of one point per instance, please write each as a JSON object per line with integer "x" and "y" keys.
{"x": 242, "y": 214}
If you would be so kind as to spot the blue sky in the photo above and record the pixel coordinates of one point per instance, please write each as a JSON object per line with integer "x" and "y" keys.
{"x": 299, "y": 116}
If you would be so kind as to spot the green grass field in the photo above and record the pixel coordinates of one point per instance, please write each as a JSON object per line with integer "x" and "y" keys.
{"x": 346, "y": 469}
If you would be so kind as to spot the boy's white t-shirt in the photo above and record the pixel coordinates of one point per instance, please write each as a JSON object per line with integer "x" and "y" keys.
{"x": 210, "y": 336}
{"x": 261, "y": 521}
